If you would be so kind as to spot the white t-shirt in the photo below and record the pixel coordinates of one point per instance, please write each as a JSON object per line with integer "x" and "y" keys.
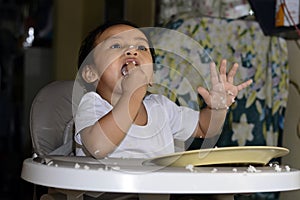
{"x": 166, "y": 122}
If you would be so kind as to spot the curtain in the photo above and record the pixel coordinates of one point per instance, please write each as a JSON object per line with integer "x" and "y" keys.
{"x": 257, "y": 116}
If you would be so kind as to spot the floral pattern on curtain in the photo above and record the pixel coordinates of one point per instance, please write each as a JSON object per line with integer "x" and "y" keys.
{"x": 257, "y": 116}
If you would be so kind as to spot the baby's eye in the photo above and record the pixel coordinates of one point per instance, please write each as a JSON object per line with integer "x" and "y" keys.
{"x": 115, "y": 46}
{"x": 142, "y": 48}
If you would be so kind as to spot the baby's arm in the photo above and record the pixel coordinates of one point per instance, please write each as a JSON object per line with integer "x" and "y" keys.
{"x": 105, "y": 135}
{"x": 218, "y": 100}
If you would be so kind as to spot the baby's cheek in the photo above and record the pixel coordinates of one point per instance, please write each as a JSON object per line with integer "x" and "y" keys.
{"x": 148, "y": 70}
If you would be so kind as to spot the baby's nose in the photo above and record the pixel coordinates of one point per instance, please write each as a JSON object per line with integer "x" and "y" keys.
{"x": 131, "y": 50}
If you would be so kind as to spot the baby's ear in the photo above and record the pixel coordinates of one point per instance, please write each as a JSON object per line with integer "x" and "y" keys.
{"x": 89, "y": 74}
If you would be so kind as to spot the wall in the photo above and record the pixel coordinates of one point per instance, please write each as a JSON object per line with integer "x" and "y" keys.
{"x": 139, "y": 12}
{"x": 72, "y": 21}
{"x": 291, "y": 138}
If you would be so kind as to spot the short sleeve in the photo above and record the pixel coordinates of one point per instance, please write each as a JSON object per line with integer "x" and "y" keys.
{"x": 91, "y": 108}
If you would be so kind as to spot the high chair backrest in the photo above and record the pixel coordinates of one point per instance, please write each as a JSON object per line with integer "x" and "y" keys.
{"x": 51, "y": 119}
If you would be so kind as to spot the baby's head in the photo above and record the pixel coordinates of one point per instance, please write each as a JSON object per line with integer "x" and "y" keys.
{"x": 107, "y": 50}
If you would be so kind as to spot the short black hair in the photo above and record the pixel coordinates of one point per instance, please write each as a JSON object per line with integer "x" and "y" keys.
{"x": 88, "y": 43}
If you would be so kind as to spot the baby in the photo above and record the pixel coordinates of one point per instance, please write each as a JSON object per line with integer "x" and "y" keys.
{"x": 118, "y": 118}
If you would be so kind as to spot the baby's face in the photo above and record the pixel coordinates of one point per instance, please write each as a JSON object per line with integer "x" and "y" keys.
{"x": 119, "y": 48}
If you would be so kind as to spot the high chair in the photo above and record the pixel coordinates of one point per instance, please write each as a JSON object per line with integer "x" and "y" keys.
{"x": 52, "y": 130}
{"x": 51, "y": 124}
{"x": 51, "y": 120}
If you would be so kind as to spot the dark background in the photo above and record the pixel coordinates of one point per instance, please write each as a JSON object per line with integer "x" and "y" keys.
{"x": 16, "y": 16}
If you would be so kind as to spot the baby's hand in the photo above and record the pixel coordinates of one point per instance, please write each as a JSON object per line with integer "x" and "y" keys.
{"x": 223, "y": 91}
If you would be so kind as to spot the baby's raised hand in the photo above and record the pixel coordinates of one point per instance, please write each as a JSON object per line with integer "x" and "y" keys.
{"x": 223, "y": 91}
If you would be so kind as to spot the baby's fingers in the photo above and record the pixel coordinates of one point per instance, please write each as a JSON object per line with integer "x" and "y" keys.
{"x": 205, "y": 94}
{"x": 223, "y": 66}
{"x": 214, "y": 74}
{"x": 232, "y": 72}
{"x": 244, "y": 85}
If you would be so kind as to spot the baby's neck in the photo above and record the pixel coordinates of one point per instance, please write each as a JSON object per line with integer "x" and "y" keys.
{"x": 142, "y": 116}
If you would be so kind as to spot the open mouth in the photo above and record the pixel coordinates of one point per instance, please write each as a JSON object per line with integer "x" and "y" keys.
{"x": 126, "y": 67}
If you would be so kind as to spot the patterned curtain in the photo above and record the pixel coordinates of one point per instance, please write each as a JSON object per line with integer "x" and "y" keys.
{"x": 257, "y": 116}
